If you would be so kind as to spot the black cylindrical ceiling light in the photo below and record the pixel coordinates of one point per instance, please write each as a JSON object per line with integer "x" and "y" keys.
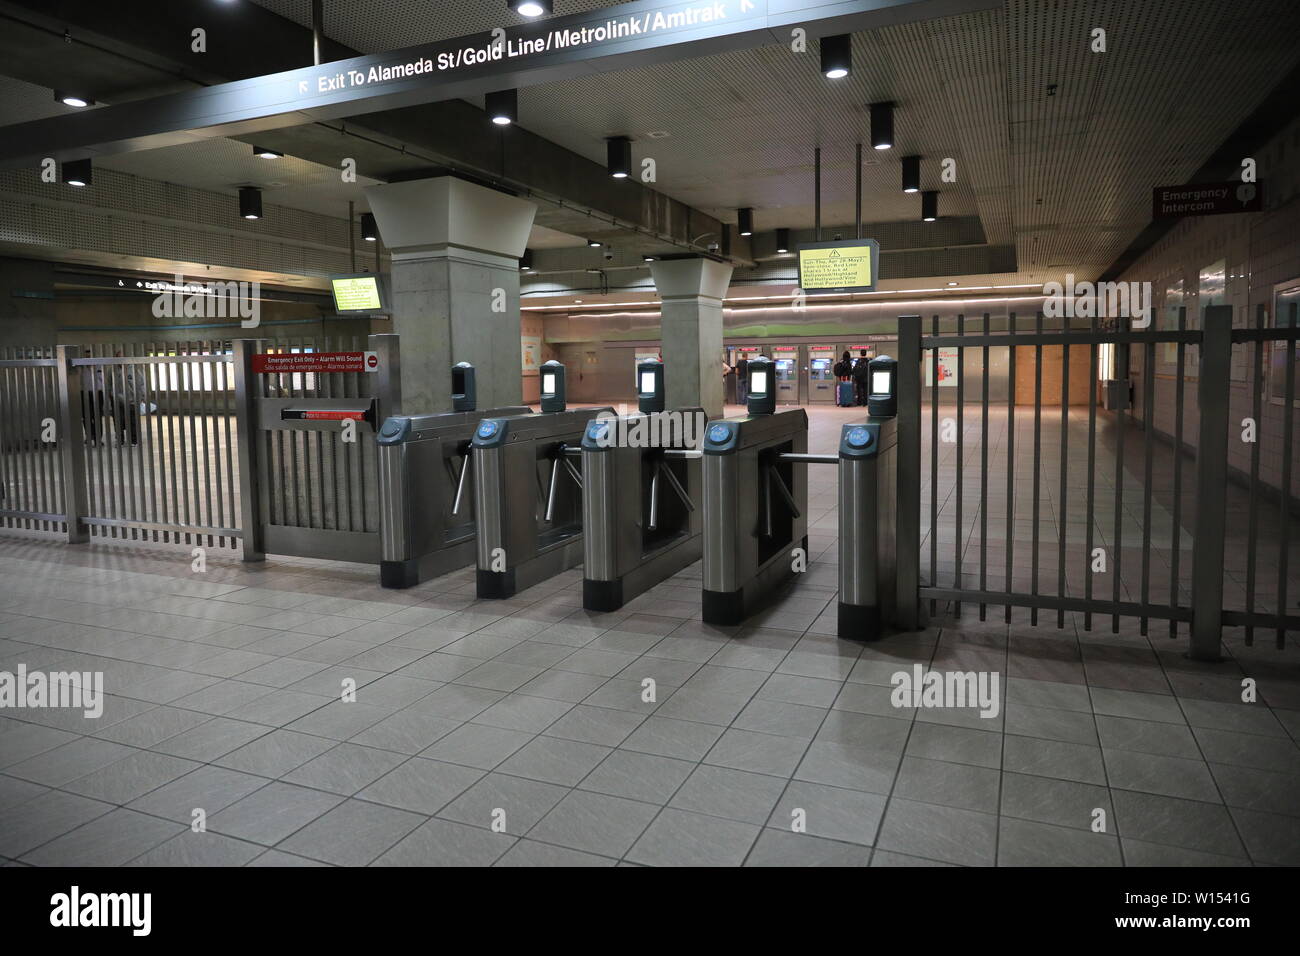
{"x": 837, "y": 56}
{"x": 618, "y": 156}
{"x": 77, "y": 100}
{"x": 250, "y": 202}
{"x": 782, "y": 241}
{"x": 78, "y": 172}
{"x": 593, "y": 243}
{"x": 911, "y": 174}
{"x": 745, "y": 221}
{"x": 526, "y": 261}
{"x": 531, "y": 8}
{"x": 369, "y": 228}
{"x": 882, "y": 125}
{"x": 503, "y": 107}
{"x": 930, "y": 205}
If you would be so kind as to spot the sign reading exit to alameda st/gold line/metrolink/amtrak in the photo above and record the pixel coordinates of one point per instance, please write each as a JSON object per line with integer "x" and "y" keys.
{"x": 845, "y": 265}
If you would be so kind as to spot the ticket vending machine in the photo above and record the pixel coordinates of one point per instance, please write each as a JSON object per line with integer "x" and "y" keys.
{"x": 785, "y": 368}
{"x": 821, "y": 374}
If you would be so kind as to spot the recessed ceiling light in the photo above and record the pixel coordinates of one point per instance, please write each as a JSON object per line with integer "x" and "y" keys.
{"x": 263, "y": 153}
{"x": 77, "y": 100}
{"x": 531, "y": 8}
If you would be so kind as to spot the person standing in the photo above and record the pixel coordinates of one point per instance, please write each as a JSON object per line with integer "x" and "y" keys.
{"x": 742, "y": 380}
{"x": 861, "y": 377}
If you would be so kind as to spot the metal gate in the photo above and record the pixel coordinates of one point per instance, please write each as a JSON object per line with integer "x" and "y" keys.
{"x": 312, "y": 492}
{"x": 1082, "y": 509}
{"x": 31, "y": 470}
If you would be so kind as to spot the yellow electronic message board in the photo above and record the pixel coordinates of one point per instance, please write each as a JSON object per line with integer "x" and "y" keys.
{"x": 357, "y": 294}
{"x": 848, "y": 266}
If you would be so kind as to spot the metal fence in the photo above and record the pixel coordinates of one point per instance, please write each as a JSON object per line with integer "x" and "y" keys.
{"x": 31, "y": 469}
{"x": 1069, "y": 508}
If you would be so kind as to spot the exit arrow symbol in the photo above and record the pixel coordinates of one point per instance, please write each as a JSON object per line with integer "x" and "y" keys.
{"x": 746, "y": 5}
{"x": 302, "y": 86}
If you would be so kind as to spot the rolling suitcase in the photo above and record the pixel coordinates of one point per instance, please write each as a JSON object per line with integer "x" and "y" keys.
{"x": 844, "y": 394}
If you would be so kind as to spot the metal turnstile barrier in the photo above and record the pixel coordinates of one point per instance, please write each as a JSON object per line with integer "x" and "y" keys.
{"x": 529, "y": 528}
{"x": 426, "y": 494}
{"x": 868, "y": 528}
{"x": 755, "y": 509}
{"x": 641, "y": 523}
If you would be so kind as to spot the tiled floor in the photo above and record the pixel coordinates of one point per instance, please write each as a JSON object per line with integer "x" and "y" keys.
{"x": 515, "y": 732}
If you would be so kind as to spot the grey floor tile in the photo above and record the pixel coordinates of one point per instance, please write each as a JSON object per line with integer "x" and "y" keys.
{"x": 668, "y": 737}
{"x": 421, "y": 785}
{"x": 213, "y": 739}
{"x": 28, "y": 825}
{"x": 408, "y": 731}
{"x": 477, "y": 745}
{"x": 758, "y": 753}
{"x": 340, "y": 720}
{"x": 1142, "y": 706}
{"x": 793, "y": 689}
{"x": 455, "y": 702}
{"x": 352, "y": 834}
{"x": 782, "y": 719}
{"x": 109, "y": 840}
{"x": 939, "y": 833}
{"x": 277, "y": 858}
{"x": 1038, "y": 693}
{"x": 784, "y": 848}
{"x": 843, "y": 765}
{"x": 14, "y": 791}
{"x": 20, "y": 741}
{"x": 188, "y": 848}
{"x": 889, "y": 858}
{"x": 123, "y": 780}
{"x": 555, "y": 760}
{"x": 276, "y": 753}
{"x": 596, "y": 725}
{"x": 1258, "y": 789}
{"x": 1170, "y": 776}
{"x": 1141, "y": 853}
{"x": 1066, "y": 803}
{"x": 948, "y": 784}
{"x": 272, "y": 813}
{"x": 734, "y": 794}
{"x": 209, "y": 789}
{"x": 522, "y": 712}
{"x": 445, "y": 843}
{"x": 1054, "y": 758}
{"x": 532, "y": 853}
{"x": 345, "y": 769}
{"x": 1152, "y": 818}
{"x": 594, "y": 823}
{"x": 682, "y": 838}
{"x": 152, "y": 727}
{"x": 1051, "y": 723}
{"x": 646, "y": 777}
{"x": 1269, "y": 837}
{"x": 1146, "y": 736}
{"x": 848, "y": 816}
{"x": 514, "y": 804}
{"x": 67, "y": 762}
{"x": 1234, "y": 748}
{"x": 955, "y": 745}
{"x": 1026, "y": 843}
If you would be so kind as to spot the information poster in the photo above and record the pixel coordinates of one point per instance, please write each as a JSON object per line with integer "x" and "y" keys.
{"x": 945, "y": 368}
{"x": 532, "y": 352}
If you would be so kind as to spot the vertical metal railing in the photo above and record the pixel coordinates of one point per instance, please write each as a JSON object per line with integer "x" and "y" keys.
{"x": 31, "y": 436}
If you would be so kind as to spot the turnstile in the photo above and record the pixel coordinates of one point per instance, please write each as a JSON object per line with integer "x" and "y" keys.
{"x": 528, "y": 497}
{"x": 426, "y": 497}
{"x": 868, "y": 527}
{"x": 640, "y": 516}
{"x": 755, "y": 509}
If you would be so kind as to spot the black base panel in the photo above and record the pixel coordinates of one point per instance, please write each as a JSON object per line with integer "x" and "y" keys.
{"x": 399, "y": 574}
{"x": 602, "y": 596}
{"x": 724, "y": 607}
{"x": 495, "y": 584}
{"x": 859, "y": 622}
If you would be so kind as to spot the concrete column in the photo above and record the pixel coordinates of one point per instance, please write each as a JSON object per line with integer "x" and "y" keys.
{"x": 692, "y": 291}
{"x": 456, "y": 248}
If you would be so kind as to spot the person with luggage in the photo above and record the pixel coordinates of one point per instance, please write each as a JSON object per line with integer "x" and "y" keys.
{"x": 861, "y": 377}
{"x": 843, "y": 372}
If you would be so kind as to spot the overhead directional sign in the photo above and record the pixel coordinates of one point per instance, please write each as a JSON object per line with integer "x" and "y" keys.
{"x": 622, "y": 37}
{"x": 845, "y": 265}
{"x": 1206, "y": 199}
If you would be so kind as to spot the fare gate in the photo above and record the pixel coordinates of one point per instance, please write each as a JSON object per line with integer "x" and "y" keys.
{"x": 1079, "y": 509}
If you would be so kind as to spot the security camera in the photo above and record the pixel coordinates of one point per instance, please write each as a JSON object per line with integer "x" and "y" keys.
{"x": 714, "y": 247}
{"x": 609, "y": 254}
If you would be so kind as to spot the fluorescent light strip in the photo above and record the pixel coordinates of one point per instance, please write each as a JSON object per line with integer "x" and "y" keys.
{"x": 811, "y": 295}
